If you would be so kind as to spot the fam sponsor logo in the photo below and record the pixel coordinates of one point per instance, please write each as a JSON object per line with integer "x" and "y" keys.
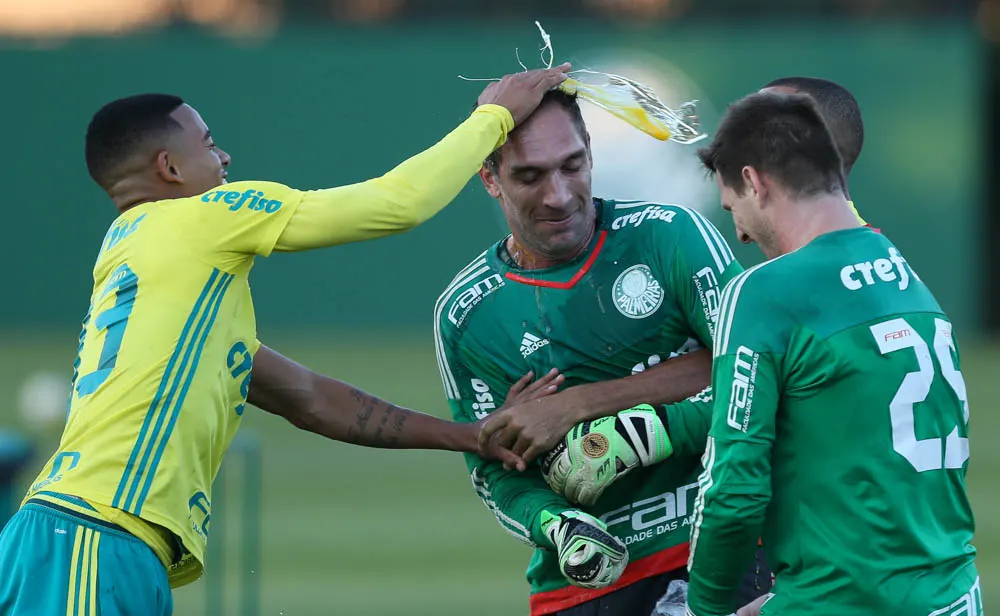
{"x": 471, "y": 297}
{"x": 709, "y": 295}
{"x": 969, "y": 604}
{"x": 741, "y": 396}
{"x": 651, "y": 517}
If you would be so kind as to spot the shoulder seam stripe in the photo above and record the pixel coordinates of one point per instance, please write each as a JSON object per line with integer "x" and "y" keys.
{"x": 727, "y": 307}
{"x": 472, "y": 271}
{"x": 716, "y": 245}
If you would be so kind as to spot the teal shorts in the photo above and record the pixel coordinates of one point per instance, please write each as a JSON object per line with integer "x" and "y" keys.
{"x": 58, "y": 562}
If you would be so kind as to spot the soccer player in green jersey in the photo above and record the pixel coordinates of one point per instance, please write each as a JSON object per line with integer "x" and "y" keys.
{"x": 841, "y": 409}
{"x": 606, "y": 292}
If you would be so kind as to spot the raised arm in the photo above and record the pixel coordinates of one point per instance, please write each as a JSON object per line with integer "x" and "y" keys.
{"x": 422, "y": 186}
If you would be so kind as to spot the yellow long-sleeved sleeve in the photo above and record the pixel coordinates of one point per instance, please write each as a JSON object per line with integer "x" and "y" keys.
{"x": 404, "y": 197}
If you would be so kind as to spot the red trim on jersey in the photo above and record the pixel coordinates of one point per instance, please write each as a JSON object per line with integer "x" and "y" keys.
{"x": 572, "y": 281}
{"x": 570, "y": 596}
{"x": 875, "y": 229}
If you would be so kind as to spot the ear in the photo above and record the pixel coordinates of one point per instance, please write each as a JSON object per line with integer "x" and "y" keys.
{"x": 167, "y": 169}
{"x": 490, "y": 182}
{"x": 590, "y": 153}
{"x": 754, "y": 183}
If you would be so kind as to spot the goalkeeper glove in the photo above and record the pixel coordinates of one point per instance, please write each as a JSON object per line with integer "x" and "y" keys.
{"x": 595, "y": 454}
{"x": 589, "y": 556}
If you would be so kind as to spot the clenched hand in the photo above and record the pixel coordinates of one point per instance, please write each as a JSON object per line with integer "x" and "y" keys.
{"x": 523, "y": 392}
{"x": 531, "y": 428}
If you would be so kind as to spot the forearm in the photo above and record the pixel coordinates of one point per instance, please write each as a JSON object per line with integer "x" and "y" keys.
{"x": 364, "y": 419}
{"x": 665, "y": 383}
{"x": 338, "y": 411}
{"x": 735, "y": 492}
{"x": 404, "y": 197}
{"x": 725, "y": 538}
{"x": 688, "y": 422}
{"x": 516, "y": 499}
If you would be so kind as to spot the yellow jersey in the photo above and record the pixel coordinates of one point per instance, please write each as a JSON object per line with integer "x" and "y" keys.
{"x": 163, "y": 370}
{"x": 166, "y": 351}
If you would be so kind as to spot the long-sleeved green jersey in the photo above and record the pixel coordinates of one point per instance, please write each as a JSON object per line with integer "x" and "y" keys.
{"x": 647, "y": 288}
{"x": 840, "y": 435}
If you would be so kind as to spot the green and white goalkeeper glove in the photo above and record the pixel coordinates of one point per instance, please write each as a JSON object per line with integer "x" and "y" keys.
{"x": 589, "y": 556}
{"x": 595, "y": 454}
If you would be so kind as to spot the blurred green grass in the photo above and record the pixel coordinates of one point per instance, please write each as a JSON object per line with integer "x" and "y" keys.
{"x": 377, "y": 533}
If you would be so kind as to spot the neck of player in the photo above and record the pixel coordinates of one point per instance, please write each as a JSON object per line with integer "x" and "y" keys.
{"x": 528, "y": 258}
{"x": 135, "y": 190}
{"x": 803, "y": 220}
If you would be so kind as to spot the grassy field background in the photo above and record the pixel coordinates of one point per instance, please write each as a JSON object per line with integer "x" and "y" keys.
{"x": 377, "y": 533}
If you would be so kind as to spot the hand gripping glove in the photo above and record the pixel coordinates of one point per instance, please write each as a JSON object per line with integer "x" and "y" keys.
{"x": 595, "y": 454}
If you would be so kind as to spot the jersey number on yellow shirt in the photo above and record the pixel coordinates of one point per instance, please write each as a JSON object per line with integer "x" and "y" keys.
{"x": 125, "y": 285}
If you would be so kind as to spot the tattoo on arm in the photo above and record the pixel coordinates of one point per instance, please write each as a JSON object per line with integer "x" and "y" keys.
{"x": 367, "y": 408}
{"x": 388, "y": 416}
{"x": 398, "y": 421}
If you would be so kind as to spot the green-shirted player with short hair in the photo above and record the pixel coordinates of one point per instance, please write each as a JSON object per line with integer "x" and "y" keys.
{"x": 607, "y": 292}
{"x": 840, "y": 426}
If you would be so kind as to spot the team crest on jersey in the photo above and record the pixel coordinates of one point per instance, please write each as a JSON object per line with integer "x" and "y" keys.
{"x": 636, "y": 293}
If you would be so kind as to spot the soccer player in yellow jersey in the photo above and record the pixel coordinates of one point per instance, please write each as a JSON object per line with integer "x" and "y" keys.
{"x": 169, "y": 356}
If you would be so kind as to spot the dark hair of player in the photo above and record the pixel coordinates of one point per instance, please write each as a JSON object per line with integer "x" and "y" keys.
{"x": 124, "y": 127}
{"x": 781, "y": 136}
{"x": 552, "y": 97}
{"x": 839, "y": 109}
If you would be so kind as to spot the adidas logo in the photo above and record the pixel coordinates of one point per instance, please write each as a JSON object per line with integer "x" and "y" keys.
{"x": 531, "y": 343}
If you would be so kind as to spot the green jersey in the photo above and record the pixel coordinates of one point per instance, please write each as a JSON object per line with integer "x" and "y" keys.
{"x": 647, "y": 288}
{"x": 841, "y": 413}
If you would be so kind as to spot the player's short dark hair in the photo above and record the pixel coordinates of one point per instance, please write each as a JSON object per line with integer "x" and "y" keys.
{"x": 565, "y": 100}
{"x": 839, "y": 109}
{"x": 781, "y": 136}
{"x": 120, "y": 128}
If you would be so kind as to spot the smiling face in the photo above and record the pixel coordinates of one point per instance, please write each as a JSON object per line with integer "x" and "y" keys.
{"x": 543, "y": 184}
{"x": 199, "y": 161}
